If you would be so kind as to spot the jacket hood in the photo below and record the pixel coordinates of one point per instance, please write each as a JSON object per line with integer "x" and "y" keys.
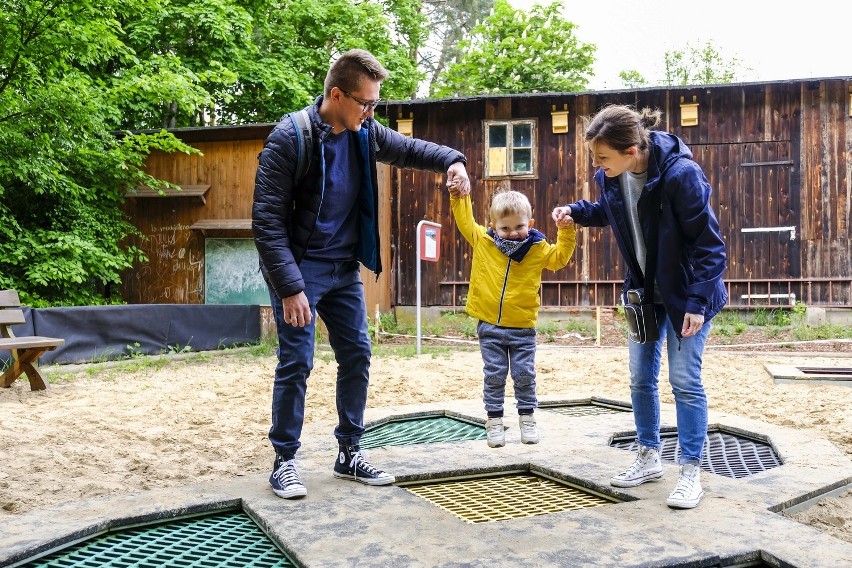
{"x": 667, "y": 149}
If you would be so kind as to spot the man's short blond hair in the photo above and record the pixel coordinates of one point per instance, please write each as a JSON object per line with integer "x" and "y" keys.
{"x": 509, "y": 202}
{"x": 356, "y": 64}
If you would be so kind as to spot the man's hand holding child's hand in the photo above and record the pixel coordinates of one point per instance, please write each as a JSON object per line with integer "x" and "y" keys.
{"x": 458, "y": 181}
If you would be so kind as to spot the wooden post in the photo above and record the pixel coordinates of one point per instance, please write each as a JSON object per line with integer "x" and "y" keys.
{"x": 598, "y": 325}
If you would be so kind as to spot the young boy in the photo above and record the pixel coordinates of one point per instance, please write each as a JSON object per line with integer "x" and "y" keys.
{"x": 505, "y": 278}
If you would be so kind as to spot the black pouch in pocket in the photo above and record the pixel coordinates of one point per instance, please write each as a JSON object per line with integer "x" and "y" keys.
{"x": 641, "y": 318}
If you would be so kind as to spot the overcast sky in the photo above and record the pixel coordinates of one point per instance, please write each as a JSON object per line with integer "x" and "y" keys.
{"x": 777, "y": 40}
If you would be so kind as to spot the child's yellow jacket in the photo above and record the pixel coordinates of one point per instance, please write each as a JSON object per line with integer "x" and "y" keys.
{"x": 503, "y": 291}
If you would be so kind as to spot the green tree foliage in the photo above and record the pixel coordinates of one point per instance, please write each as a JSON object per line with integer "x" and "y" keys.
{"x": 293, "y": 42}
{"x": 450, "y": 21}
{"x": 187, "y": 54}
{"x": 693, "y": 65}
{"x": 62, "y": 173}
{"x": 514, "y": 52}
{"x": 73, "y": 73}
{"x": 409, "y": 31}
{"x": 699, "y": 65}
{"x": 243, "y": 62}
{"x": 632, "y": 79}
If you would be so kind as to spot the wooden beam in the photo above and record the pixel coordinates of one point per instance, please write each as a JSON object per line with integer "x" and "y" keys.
{"x": 199, "y": 191}
{"x": 230, "y": 226}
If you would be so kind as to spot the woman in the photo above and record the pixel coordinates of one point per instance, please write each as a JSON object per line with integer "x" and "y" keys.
{"x": 648, "y": 177}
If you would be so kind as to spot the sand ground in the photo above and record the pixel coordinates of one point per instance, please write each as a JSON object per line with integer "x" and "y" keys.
{"x": 113, "y": 428}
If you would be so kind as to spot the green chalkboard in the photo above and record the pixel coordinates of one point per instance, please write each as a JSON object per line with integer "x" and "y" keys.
{"x": 231, "y": 273}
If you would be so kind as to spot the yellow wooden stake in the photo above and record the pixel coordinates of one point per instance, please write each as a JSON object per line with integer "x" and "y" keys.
{"x": 598, "y": 323}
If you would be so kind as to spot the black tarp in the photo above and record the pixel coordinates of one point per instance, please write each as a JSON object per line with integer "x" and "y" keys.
{"x": 100, "y": 333}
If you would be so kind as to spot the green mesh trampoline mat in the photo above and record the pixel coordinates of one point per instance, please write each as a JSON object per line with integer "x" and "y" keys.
{"x": 583, "y": 409}
{"x": 228, "y": 539}
{"x": 425, "y": 430}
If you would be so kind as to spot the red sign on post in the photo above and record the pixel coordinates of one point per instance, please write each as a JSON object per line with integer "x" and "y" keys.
{"x": 430, "y": 238}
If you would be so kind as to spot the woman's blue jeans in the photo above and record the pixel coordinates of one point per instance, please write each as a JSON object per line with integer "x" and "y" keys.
{"x": 335, "y": 292}
{"x": 684, "y": 358}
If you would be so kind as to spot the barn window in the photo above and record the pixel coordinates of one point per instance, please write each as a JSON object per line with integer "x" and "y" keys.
{"x": 510, "y": 148}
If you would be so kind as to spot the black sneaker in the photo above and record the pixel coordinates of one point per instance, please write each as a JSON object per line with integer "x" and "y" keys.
{"x": 350, "y": 464}
{"x": 285, "y": 479}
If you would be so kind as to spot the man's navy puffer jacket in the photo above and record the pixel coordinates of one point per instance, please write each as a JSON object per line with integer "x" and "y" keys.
{"x": 284, "y": 214}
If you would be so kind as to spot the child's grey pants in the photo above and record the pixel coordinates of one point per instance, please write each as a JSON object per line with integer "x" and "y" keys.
{"x": 506, "y": 349}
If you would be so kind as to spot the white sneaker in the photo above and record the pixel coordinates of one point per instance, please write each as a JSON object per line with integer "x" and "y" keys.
{"x": 687, "y": 493}
{"x": 495, "y": 432}
{"x": 529, "y": 430}
{"x": 646, "y": 467}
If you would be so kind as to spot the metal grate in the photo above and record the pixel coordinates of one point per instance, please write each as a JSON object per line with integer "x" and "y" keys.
{"x": 840, "y": 376}
{"x": 737, "y": 562}
{"x": 421, "y": 431}
{"x": 225, "y": 539}
{"x": 583, "y": 409}
{"x": 503, "y": 497}
{"x": 724, "y": 454}
{"x": 840, "y": 372}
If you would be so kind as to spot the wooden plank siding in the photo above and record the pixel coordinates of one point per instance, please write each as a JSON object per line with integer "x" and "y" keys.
{"x": 776, "y": 155}
{"x": 826, "y": 162}
{"x": 175, "y": 272}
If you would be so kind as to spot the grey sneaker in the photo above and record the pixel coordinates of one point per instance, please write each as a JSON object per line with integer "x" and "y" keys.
{"x": 688, "y": 492}
{"x": 495, "y": 432}
{"x": 646, "y": 467}
{"x": 529, "y": 430}
{"x": 350, "y": 464}
{"x": 285, "y": 479}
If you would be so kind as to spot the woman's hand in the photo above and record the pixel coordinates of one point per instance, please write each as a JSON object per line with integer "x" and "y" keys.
{"x": 692, "y": 324}
{"x": 562, "y": 214}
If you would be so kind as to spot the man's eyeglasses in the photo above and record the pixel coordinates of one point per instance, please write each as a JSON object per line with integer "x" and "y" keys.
{"x": 366, "y": 105}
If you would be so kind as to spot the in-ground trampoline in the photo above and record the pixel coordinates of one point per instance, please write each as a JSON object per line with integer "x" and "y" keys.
{"x": 459, "y": 503}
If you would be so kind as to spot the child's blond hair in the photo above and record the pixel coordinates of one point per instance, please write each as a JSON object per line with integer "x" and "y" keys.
{"x": 508, "y": 202}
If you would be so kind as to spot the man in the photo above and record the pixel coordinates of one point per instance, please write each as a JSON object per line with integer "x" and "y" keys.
{"x": 311, "y": 234}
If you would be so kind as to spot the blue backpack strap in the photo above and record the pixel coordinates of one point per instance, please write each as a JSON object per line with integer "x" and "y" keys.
{"x": 304, "y": 142}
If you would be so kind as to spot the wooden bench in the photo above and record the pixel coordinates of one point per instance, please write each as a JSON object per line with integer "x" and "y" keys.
{"x": 25, "y": 350}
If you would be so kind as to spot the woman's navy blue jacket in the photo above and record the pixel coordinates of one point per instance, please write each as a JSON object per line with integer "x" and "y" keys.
{"x": 691, "y": 253}
{"x": 284, "y": 213}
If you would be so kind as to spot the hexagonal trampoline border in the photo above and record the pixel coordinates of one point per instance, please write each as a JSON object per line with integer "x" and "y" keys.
{"x": 317, "y": 530}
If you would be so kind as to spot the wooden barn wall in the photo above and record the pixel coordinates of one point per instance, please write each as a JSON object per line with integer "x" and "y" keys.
{"x": 174, "y": 273}
{"x": 826, "y": 154}
{"x": 776, "y": 156}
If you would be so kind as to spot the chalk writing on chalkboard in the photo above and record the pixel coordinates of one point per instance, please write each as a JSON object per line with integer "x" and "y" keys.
{"x": 231, "y": 273}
